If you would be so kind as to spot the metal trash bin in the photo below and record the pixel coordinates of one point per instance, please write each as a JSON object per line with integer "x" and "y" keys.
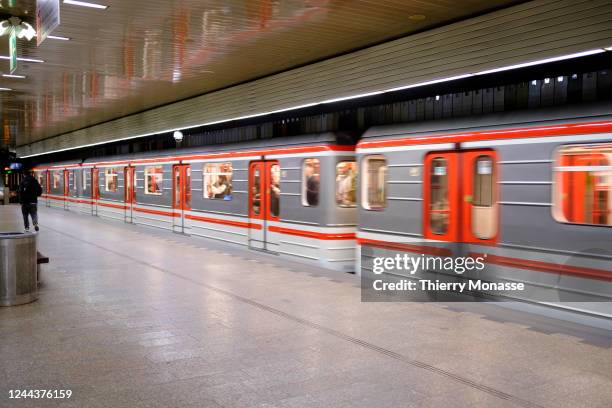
{"x": 17, "y": 268}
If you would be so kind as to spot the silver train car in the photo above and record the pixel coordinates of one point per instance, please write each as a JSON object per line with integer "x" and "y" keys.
{"x": 531, "y": 196}
{"x": 295, "y": 198}
{"x": 532, "y": 192}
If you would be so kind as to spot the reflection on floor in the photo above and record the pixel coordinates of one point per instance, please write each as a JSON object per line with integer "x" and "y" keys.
{"x": 134, "y": 317}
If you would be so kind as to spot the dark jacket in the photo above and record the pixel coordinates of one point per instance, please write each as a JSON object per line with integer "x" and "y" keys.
{"x": 29, "y": 190}
{"x": 312, "y": 191}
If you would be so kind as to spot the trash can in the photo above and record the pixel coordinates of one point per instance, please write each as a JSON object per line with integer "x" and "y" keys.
{"x": 17, "y": 268}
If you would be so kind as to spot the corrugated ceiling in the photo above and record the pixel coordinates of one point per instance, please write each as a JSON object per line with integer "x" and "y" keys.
{"x": 139, "y": 54}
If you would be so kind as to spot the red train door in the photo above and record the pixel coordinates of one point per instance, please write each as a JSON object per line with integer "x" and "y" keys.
{"x": 479, "y": 197}
{"x": 440, "y": 196}
{"x": 95, "y": 190}
{"x": 460, "y": 196}
{"x": 264, "y": 204}
{"x": 181, "y": 195}
{"x": 129, "y": 195}
{"x": 66, "y": 189}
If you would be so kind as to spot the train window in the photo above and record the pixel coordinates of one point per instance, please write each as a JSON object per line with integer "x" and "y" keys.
{"x": 311, "y": 179}
{"x": 583, "y": 184}
{"x": 110, "y": 179}
{"x": 438, "y": 196}
{"x": 75, "y": 180}
{"x": 275, "y": 174}
{"x": 374, "y": 196}
{"x": 256, "y": 191}
{"x": 154, "y": 177}
{"x": 484, "y": 213}
{"x": 218, "y": 181}
{"x": 346, "y": 184}
{"x": 56, "y": 179}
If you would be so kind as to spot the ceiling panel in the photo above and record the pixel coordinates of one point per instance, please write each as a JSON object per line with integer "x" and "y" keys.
{"x": 140, "y": 54}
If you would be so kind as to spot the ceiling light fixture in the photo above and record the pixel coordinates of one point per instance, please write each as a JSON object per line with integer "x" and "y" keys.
{"x": 4, "y": 57}
{"x": 13, "y": 76}
{"x": 416, "y": 17}
{"x": 6, "y": 89}
{"x": 57, "y": 37}
{"x": 86, "y": 4}
{"x": 18, "y": 27}
{"x": 349, "y": 97}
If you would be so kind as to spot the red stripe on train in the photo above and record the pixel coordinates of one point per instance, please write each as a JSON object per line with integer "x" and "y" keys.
{"x": 224, "y": 222}
{"x": 421, "y": 249}
{"x": 313, "y": 234}
{"x": 79, "y": 201}
{"x": 513, "y": 133}
{"x": 121, "y": 206}
{"x": 156, "y": 212}
{"x": 547, "y": 267}
{"x": 538, "y": 266}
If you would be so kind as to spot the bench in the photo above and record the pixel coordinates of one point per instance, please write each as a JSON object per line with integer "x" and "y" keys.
{"x": 40, "y": 259}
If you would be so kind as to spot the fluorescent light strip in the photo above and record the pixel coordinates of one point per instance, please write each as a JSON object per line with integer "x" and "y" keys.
{"x": 435, "y": 81}
{"x": 4, "y": 57}
{"x": 13, "y": 76}
{"x": 86, "y": 4}
{"x": 419, "y": 84}
{"x": 57, "y": 37}
{"x": 543, "y": 61}
{"x": 6, "y": 89}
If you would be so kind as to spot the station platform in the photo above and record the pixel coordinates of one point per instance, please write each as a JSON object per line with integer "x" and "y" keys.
{"x": 136, "y": 317}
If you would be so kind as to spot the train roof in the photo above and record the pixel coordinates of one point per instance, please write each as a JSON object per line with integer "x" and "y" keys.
{"x": 301, "y": 140}
{"x": 281, "y": 142}
{"x": 549, "y": 116}
{"x": 56, "y": 164}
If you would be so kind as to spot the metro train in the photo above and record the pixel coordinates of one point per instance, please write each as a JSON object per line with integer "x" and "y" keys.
{"x": 532, "y": 192}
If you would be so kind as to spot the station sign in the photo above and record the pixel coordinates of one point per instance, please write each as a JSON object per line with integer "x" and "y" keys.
{"x": 47, "y": 18}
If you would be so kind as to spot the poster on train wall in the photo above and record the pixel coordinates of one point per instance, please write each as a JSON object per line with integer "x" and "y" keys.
{"x": 47, "y": 18}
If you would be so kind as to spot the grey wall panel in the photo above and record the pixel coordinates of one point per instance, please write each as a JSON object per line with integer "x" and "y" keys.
{"x": 526, "y": 32}
{"x": 528, "y": 172}
{"x": 526, "y": 193}
{"x": 238, "y": 205}
{"x": 326, "y": 212}
{"x": 291, "y": 207}
{"x": 529, "y": 225}
{"x": 111, "y": 195}
{"x": 165, "y": 199}
{"x": 535, "y": 226}
{"x": 403, "y": 216}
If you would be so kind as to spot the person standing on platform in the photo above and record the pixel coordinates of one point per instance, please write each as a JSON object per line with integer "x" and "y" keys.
{"x": 29, "y": 191}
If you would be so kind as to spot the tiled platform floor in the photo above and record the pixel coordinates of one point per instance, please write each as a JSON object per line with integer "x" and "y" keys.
{"x": 132, "y": 317}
